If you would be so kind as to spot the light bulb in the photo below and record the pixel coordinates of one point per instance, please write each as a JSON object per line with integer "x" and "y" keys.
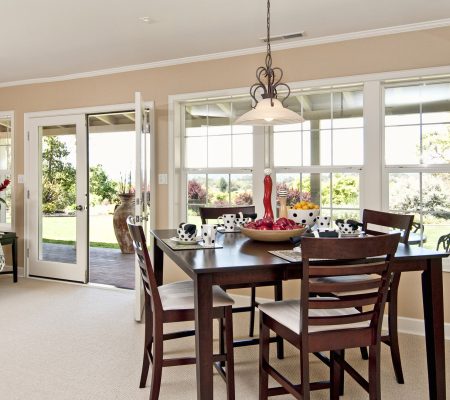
{"x": 268, "y": 119}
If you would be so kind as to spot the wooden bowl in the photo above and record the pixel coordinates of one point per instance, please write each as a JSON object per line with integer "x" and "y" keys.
{"x": 272, "y": 236}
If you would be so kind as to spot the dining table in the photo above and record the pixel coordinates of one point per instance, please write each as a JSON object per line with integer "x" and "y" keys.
{"x": 242, "y": 260}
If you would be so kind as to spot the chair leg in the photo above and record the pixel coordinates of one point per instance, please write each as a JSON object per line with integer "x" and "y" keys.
{"x": 304, "y": 372}
{"x": 335, "y": 376}
{"x": 251, "y": 330}
{"x": 374, "y": 373}
{"x": 279, "y": 297}
{"x": 157, "y": 363}
{"x": 264, "y": 337}
{"x": 230, "y": 353}
{"x": 147, "y": 346}
{"x": 222, "y": 328}
{"x": 393, "y": 329}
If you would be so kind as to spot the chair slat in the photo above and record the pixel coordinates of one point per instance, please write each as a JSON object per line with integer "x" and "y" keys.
{"x": 344, "y": 270}
{"x": 341, "y": 319}
{"x": 354, "y": 286}
{"x": 359, "y": 300}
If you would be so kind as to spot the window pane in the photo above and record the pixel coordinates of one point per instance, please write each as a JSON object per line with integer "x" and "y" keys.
{"x": 348, "y": 147}
{"x": 436, "y": 102}
{"x": 196, "y": 196}
{"x": 238, "y": 108}
{"x": 242, "y": 150}
{"x": 436, "y": 143}
{"x": 402, "y": 145}
{"x": 325, "y": 147}
{"x": 402, "y": 105}
{"x": 241, "y": 189}
{"x": 219, "y": 189}
{"x": 219, "y": 151}
{"x": 404, "y": 192}
{"x": 345, "y": 190}
{"x": 196, "y": 120}
{"x": 196, "y": 152}
{"x": 348, "y": 109}
{"x": 287, "y": 149}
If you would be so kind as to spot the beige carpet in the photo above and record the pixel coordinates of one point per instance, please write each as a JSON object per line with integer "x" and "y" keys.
{"x": 60, "y": 341}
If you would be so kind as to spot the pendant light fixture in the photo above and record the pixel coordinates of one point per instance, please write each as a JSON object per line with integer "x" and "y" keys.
{"x": 269, "y": 110}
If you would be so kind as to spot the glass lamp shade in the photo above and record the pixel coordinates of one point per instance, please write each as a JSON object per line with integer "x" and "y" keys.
{"x": 267, "y": 115}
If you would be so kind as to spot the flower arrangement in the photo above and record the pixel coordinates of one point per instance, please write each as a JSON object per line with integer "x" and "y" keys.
{"x": 125, "y": 186}
{"x": 3, "y": 186}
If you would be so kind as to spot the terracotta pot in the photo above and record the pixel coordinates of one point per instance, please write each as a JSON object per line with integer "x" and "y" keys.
{"x": 121, "y": 213}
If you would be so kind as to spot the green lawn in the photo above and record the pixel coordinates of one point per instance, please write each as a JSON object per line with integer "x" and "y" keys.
{"x": 62, "y": 230}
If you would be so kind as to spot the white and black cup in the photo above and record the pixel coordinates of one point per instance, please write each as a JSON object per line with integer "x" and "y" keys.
{"x": 323, "y": 221}
{"x": 187, "y": 232}
{"x": 228, "y": 221}
{"x": 241, "y": 220}
{"x": 209, "y": 234}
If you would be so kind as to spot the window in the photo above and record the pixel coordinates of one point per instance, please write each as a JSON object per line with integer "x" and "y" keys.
{"x": 6, "y": 162}
{"x": 320, "y": 160}
{"x": 417, "y": 154}
{"x": 218, "y": 156}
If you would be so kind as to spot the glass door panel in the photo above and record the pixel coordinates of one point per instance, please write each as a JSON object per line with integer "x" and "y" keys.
{"x": 57, "y": 195}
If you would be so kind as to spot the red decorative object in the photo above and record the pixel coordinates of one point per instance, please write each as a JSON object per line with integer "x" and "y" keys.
{"x": 5, "y": 184}
{"x": 267, "y": 201}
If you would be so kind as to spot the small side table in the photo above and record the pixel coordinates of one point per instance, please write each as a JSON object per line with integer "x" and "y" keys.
{"x": 10, "y": 238}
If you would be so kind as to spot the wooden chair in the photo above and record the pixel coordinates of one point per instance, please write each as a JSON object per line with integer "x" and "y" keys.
{"x": 445, "y": 241}
{"x": 174, "y": 302}
{"x": 315, "y": 324}
{"x": 404, "y": 223}
{"x": 207, "y": 213}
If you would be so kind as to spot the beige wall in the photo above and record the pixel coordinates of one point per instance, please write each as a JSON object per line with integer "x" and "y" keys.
{"x": 420, "y": 49}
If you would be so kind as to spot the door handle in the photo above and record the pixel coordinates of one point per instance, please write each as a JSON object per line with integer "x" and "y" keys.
{"x": 79, "y": 208}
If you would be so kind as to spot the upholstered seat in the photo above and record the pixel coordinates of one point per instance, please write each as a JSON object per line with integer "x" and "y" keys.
{"x": 287, "y": 313}
{"x": 180, "y": 296}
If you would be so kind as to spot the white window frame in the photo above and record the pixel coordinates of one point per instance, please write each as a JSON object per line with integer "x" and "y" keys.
{"x": 373, "y": 176}
{"x": 11, "y": 226}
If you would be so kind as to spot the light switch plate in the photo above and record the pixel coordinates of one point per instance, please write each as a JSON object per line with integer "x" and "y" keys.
{"x": 162, "y": 179}
{"x": 20, "y": 179}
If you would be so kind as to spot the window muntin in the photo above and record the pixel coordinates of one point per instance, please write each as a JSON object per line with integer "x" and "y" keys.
{"x": 6, "y": 132}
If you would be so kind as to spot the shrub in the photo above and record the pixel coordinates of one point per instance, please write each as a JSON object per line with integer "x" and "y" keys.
{"x": 243, "y": 199}
{"x": 196, "y": 191}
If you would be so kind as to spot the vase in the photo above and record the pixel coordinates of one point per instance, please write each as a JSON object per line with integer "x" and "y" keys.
{"x": 121, "y": 213}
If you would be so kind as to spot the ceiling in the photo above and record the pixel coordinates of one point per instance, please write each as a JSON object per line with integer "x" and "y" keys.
{"x": 49, "y": 38}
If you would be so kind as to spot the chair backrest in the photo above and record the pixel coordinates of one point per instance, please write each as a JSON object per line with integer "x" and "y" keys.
{"x": 215, "y": 212}
{"x": 402, "y": 222}
{"x": 341, "y": 257}
{"x": 445, "y": 241}
{"x": 152, "y": 297}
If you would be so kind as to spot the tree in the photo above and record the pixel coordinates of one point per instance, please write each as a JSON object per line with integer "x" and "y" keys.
{"x": 58, "y": 176}
{"x": 100, "y": 186}
{"x": 223, "y": 185}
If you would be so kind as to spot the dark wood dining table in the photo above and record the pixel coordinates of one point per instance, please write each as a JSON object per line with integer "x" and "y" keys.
{"x": 244, "y": 260}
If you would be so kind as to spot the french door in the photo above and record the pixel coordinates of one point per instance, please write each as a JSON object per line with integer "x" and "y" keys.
{"x": 58, "y": 178}
{"x": 144, "y": 196}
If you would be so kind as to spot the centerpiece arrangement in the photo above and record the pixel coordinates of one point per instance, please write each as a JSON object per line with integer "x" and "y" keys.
{"x": 268, "y": 229}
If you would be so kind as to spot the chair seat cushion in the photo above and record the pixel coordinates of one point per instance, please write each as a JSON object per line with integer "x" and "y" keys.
{"x": 287, "y": 313}
{"x": 180, "y": 296}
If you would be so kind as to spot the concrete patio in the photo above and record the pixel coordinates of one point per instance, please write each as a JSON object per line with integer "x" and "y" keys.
{"x": 107, "y": 266}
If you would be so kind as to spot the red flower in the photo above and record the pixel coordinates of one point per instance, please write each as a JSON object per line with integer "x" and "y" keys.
{"x": 5, "y": 184}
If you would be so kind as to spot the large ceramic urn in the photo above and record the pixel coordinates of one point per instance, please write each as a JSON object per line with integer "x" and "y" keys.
{"x": 122, "y": 212}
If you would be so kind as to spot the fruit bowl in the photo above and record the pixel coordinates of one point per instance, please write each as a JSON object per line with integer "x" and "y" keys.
{"x": 307, "y": 217}
{"x": 272, "y": 235}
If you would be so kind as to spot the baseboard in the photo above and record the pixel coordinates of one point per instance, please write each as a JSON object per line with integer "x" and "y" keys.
{"x": 415, "y": 326}
{"x": 20, "y": 271}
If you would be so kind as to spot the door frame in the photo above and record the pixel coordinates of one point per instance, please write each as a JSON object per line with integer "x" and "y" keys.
{"x": 28, "y": 117}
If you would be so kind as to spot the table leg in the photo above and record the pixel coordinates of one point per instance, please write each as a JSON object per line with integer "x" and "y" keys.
{"x": 279, "y": 297}
{"x": 14, "y": 259}
{"x": 158, "y": 261}
{"x": 203, "y": 336}
{"x": 433, "y": 306}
